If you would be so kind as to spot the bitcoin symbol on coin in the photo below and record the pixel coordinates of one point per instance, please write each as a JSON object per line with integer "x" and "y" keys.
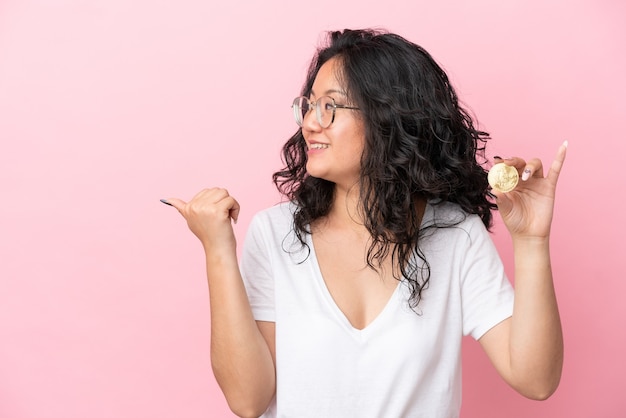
{"x": 503, "y": 177}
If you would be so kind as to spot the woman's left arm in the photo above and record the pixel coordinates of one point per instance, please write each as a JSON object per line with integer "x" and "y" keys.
{"x": 527, "y": 349}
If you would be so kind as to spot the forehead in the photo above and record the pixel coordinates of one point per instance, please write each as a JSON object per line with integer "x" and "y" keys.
{"x": 328, "y": 79}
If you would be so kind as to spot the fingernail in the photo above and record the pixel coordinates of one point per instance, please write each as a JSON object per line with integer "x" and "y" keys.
{"x": 166, "y": 202}
{"x": 565, "y": 143}
{"x": 526, "y": 174}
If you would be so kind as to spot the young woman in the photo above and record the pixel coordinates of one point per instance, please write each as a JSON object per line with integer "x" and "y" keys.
{"x": 354, "y": 294}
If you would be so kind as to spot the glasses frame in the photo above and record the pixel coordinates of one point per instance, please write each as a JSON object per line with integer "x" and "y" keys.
{"x": 299, "y": 115}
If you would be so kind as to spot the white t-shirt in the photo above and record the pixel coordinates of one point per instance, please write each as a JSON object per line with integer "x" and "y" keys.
{"x": 405, "y": 363}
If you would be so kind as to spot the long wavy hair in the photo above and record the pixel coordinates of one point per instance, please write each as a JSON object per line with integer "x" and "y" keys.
{"x": 420, "y": 144}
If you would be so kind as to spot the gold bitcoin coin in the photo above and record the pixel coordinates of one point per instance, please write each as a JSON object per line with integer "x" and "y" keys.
{"x": 503, "y": 177}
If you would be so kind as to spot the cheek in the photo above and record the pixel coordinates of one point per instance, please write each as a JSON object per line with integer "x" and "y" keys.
{"x": 355, "y": 152}
{"x": 357, "y": 145}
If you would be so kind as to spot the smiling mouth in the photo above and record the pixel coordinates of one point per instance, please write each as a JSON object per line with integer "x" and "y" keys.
{"x": 318, "y": 146}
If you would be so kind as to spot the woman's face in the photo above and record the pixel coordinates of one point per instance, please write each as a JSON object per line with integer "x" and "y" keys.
{"x": 334, "y": 153}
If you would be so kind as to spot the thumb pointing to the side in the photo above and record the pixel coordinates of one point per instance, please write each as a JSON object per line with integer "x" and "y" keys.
{"x": 174, "y": 202}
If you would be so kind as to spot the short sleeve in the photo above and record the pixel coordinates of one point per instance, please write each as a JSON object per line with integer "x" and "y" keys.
{"x": 487, "y": 294}
{"x": 256, "y": 270}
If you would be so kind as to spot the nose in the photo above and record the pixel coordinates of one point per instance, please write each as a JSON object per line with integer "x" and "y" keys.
{"x": 309, "y": 120}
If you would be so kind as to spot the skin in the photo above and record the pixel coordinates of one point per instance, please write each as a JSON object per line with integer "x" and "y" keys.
{"x": 242, "y": 350}
{"x": 526, "y": 349}
{"x": 345, "y": 137}
{"x": 340, "y": 240}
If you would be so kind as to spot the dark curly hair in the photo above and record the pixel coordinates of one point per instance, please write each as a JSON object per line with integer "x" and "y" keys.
{"x": 420, "y": 144}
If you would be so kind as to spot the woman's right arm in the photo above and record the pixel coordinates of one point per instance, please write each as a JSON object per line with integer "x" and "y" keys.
{"x": 242, "y": 349}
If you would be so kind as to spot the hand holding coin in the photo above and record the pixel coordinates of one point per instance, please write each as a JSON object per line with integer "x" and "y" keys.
{"x": 524, "y": 195}
{"x": 503, "y": 177}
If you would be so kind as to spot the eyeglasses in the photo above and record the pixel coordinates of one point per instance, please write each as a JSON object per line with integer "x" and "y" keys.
{"x": 324, "y": 109}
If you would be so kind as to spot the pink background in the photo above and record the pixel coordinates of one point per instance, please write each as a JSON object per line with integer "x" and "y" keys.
{"x": 107, "y": 106}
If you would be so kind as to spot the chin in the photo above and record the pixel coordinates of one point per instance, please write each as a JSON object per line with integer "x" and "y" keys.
{"x": 313, "y": 172}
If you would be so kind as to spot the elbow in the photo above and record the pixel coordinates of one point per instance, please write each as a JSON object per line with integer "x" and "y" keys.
{"x": 245, "y": 412}
{"x": 247, "y": 408}
{"x": 248, "y": 397}
{"x": 540, "y": 381}
{"x": 541, "y": 394}
{"x": 540, "y": 390}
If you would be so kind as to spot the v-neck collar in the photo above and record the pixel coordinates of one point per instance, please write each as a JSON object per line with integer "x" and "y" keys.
{"x": 359, "y": 334}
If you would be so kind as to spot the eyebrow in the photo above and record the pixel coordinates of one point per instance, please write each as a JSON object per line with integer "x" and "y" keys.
{"x": 327, "y": 92}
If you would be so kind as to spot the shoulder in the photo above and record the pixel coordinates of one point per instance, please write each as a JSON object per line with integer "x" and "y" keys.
{"x": 273, "y": 230}
{"x": 280, "y": 213}
{"x": 273, "y": 221}
{"x": 449, "y": 225}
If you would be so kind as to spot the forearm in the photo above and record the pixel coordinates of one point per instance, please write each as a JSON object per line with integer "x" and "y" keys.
{"x": 241, "y": 359}
{"x": 536, "y": 341}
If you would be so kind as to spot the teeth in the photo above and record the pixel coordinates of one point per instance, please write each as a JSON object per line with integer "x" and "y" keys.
{"x": 318, "y": 146}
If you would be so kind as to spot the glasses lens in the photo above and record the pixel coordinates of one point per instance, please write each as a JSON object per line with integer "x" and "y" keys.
{"x": 325, "y": 111}
{"x": 300, "y": 109}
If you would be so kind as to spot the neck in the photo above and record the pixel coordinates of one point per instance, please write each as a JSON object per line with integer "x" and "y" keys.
{"x": 346, "y": 209}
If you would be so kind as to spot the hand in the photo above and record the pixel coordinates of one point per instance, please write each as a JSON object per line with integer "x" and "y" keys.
{"x": 527, "y": 210}
{"x": 209, "y": 215}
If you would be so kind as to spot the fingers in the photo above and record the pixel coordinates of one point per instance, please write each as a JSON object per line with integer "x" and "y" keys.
{"x": 516, "y": 162}
{"x": 172, "y": 201}
{"x": 557, "y": 164}
{"x": 534, "y": 167}
{"x": 215, "y": 200}
{"x": 234, "y": 210}
{"x": 219, "y": 199}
